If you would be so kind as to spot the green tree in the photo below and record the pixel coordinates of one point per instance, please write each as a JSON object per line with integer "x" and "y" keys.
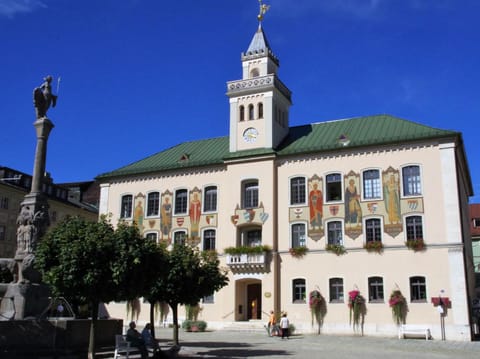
{"x": 191, "y": 275}
{"x": 90, "y": 262}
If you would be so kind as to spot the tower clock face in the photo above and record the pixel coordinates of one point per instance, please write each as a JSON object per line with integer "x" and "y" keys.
{"x": 250, "y": 134}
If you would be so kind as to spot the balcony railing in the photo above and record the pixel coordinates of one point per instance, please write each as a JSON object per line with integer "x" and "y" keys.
{"x": 247, "y": 262}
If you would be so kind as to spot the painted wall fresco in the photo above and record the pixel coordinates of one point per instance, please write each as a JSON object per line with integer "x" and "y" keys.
{"x": 353, "y": 209}
{"x": 391, "y": 208}
{"x": 315, "y": 208}
{"x": 138, "y": 212}
{"x": 249, "y": 215}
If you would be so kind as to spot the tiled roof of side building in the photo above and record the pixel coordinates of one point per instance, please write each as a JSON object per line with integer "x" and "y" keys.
{"x": 317, "y": 137}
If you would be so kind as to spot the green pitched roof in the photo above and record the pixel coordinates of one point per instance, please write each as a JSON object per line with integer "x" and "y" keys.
{"x": 318, "y": 137}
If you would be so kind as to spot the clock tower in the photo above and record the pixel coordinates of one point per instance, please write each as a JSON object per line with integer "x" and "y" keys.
{"x": 259, "y": 102}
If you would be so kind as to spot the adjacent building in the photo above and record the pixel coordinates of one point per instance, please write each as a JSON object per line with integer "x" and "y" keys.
{"x": 373, "y": 204}
{"x": 63, "y": 199}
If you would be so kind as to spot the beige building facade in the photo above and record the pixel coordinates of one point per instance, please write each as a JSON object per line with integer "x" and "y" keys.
{"x": 340, "y": 206}
{"x": 14, "y": 185}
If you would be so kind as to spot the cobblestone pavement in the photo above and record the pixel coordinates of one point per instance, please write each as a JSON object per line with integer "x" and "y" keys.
{"x": 235, "y": 344}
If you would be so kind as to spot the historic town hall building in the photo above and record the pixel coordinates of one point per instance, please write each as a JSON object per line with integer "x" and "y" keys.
{"x": 373, "y": 204}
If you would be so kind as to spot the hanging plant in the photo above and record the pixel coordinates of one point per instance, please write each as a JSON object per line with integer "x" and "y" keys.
{"x": 338, "y": 249}
{"x": 356, "y": 305}
{"x": 298, "y": 252}
{"x": 398, "y": 303}
{"x": 415, "y": 245}
{"x": 133, "y": 309}
{"x": 318, "y": 308}
{"x": 374, "y": 246}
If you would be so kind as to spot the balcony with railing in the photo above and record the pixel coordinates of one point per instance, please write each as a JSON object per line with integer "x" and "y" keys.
{"x": 248, "y": 259}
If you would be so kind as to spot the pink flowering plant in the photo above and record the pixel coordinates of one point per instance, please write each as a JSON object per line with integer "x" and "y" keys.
{"x": 398, "y": 303}
{"x": 318, "y": 307}
{"x": 356, "y": 305}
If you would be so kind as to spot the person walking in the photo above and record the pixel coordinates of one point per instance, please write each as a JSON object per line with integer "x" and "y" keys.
{"x": 284, "y": 324}
{"x": 272, "y": 324}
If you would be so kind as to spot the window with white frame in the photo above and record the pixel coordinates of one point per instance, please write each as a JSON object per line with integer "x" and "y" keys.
{"x": 152, "y": 236}
{"x": 418, "y": 289}
{"x": 297, "y": 190}
{"x": 333, "y": 187}
{"x": 476, "y": 222}
{"x": 375, "y": 289}
{"x": 414, "y": 228}
{"x": 153, "y": 203}
{"x": 299, "y": 290}
{"x": 373, "y": 230}
{"x": 179, "y": 238}
{"x": 371, "y": 184}
{"x": 209, "y": 239}
{"x": 334, "y": 233}
{"x": 299, "y": 238}
{"x": 126, "y": 206}
{"x": 335, "y": 286}
{"x": 412, "y": 182}
{"x": 250, "y": 194}
{"x": 210, "y": 199}
{"x": 181, "y": 201}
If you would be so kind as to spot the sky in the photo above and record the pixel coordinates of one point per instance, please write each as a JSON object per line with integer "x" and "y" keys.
{"x": 140, "y": 76}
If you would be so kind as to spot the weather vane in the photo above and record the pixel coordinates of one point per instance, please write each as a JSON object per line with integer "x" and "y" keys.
{"x": 263, "y": 9}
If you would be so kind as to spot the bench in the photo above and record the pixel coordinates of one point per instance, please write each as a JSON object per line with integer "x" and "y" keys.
{"x": 413, "y": 330}
{"x": 124, "y": 348}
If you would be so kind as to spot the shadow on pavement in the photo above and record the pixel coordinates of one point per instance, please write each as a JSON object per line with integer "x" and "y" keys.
{"x": 224, "y": 350}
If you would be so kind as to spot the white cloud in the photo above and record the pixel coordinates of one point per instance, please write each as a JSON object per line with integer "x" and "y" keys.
{"x": 10, "y": 8}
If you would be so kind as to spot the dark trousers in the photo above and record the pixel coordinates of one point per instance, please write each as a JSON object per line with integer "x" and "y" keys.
{"x": 285, "y": 332}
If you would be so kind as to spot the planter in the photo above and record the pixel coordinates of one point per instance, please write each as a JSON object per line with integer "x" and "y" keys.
{"x": 374, "y": 246}
{"x": 415, "y": 245}
{"x": 298, "y": 252}
{"x": 338, "y": 249}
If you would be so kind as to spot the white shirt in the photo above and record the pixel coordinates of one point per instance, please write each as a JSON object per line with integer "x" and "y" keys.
{"x": 284, "y": 322}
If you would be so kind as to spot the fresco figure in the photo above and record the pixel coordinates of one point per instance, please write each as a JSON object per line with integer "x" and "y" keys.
{"x": 392, "y": 199}
{"x": 316, "y": 206}
{"x": 166, "y": 216}
{"x": 353, "y": 211}
{"x": 138, "y": 215}
{"x": 194, "y": 212}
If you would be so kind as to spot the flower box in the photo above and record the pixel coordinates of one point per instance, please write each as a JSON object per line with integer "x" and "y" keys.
{"x": 415, "y": 244}
{"x": 374, "y": 246}
{"x": 338, "y": 249}
{"x": 298, "y": 252}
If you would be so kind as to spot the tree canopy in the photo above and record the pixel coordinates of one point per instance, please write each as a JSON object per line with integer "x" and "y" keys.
{"x": 90, "y": 262}
{"x": 191, "y": 275}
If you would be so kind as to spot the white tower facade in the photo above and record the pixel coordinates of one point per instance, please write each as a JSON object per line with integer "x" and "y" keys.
{"x": 259, "y": 102}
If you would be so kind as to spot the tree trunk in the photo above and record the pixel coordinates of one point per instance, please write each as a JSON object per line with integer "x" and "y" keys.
{"x": 174, "y": 307}
{"x": 152, "y": 319}
{"x": 93, "y": 325}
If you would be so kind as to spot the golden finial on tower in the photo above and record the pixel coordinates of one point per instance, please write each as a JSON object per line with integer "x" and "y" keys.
{"x": 263, "y": 10}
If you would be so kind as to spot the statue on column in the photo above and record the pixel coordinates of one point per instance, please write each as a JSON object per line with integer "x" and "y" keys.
{"x": 43, "y": 97}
